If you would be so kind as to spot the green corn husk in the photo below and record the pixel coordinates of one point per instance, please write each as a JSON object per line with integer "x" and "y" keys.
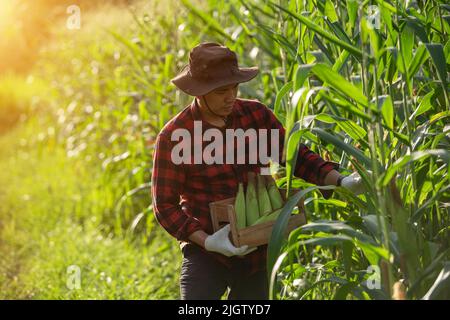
{"x": 269, "y": 217}
{"x": 239, "y": 207}
{"x": 274, "y": 194}
{"x": 265, "y": 206}
{"x": 251, "y": 200}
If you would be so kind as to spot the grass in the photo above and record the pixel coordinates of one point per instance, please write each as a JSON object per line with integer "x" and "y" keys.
{"x": 41, "y": 234}
{"x": 21, "y": 97}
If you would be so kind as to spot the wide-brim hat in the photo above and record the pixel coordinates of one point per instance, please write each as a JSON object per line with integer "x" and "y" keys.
{"x": 211, "y": 66}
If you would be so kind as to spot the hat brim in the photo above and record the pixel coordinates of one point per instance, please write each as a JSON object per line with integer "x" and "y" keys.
{"x": 195, "y": 87}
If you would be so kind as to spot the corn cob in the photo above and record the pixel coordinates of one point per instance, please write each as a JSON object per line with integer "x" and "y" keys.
{"x": 263, "y": 198}
{"x": 274, "y": 194}
{"x": 269, "y": 217}
{"x": 251, "y": 200}
{"x": 239, "y": 207}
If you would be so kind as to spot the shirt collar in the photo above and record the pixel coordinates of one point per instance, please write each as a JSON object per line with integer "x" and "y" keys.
{"x": 235, "y": 113}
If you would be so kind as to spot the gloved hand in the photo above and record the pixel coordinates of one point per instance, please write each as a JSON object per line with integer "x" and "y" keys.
{"x": 353, "y": 183}
{"x": 219, "y": 242}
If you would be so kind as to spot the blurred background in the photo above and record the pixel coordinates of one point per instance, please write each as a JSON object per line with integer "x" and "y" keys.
{"x": 79, "y": 109}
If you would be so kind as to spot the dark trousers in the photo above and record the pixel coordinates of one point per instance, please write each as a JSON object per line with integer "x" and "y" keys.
{"x": 205, "y": 278}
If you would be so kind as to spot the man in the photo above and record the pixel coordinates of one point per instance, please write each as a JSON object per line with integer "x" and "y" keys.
{"x": 182, "y": 191}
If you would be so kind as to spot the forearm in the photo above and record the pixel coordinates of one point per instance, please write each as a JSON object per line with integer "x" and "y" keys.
{"x": 331, "y": 178}
{"x": 199, "y": 237}
{"x": 177, "y": 222}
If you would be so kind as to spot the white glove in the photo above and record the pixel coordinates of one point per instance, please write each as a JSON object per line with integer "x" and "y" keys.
{"x": 219, "y": 242}
{"x": 353, "y": 183}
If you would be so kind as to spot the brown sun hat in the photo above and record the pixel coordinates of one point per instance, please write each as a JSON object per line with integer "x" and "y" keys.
{"x": 211, "y": 66}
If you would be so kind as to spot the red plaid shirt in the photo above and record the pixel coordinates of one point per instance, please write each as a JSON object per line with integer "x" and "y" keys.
{"x": 181, "y": 193}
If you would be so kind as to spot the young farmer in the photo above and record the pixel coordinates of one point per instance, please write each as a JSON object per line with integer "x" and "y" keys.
{"x": 183, "y": 186}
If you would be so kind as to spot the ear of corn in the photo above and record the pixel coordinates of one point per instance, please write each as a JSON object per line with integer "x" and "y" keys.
{"x": 265, "y": 206}
{"x": 274, "y": 194}
{"x": 239, "y": 207}
{"x": 256, "y": 205}
{"x": 269, "y": 217}
{"x": 251, "y": 200}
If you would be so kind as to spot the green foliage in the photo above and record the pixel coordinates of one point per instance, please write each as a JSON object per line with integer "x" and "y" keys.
{"x": 368, "y": 98}
{"x": 375, "y": 97}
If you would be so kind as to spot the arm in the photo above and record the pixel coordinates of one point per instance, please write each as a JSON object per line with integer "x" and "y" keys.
{"x": 332, "y": 178}
{"x": 199, "y": 237}
{"x": 167, "y": 186}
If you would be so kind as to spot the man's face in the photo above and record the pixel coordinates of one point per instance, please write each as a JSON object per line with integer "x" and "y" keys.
{"x": 221, "y": 100}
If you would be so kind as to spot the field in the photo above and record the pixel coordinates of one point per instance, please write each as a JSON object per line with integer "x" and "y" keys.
{"x": 364, "y": 84}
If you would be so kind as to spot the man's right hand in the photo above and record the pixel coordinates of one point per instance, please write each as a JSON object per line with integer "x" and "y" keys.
{"x": 219, "y": 242}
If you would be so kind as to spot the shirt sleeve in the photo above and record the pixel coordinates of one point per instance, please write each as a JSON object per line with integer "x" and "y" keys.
{"x": 167, "y": 185}
{"x": 309, "y": 166}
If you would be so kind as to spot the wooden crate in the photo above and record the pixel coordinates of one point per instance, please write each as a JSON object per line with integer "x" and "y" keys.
{"x": 222, "y": 213}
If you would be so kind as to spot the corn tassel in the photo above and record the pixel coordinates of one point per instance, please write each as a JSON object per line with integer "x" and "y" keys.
{"x": 239, "y": 208}
{"x": 263, "y": 197}
{"x": 274, "y": 194}
{"x": 251, "y": 200}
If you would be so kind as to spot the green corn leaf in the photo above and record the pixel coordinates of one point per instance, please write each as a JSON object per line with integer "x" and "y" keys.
{"x": 330, "y": 12}
{"x": 291, "y": 155}
{"x": 280, "y": 39}
{"x": 340, "y": 61}
{"x": 425, "y": 104}
{"x": 407, "y": 42}
{"x": 330, "y": 226}
{"x": 311, "y": 25}
{"x": 421, "y": 211}
{"x": 277, "y": 236}
{"x": 387, "y": 110}
{"x": 415, "y": 156}
{"x": 373, "y": 253}
{"x": 441, "y": 286}
{"x": 210, "y": 22}
{"x": 416, "y": 25}
{"x": 342, "y": 145}
{"x": 327, "y": 240}
{"x": 350, "y": 127}
{"x": 436, "y": 51}
{"x": 280, "y": 95}
{"x": 418, "y": 60}
{"x": 339, "y": 83}
{"x": 352, "y": 9}
{"x": 324, "y": 55}
{"x": 338, "y": 31}
{"x": 301, "y": 75}
{"x": 439, "y": 116}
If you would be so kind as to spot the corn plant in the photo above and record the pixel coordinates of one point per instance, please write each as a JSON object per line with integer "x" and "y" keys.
{"x": 365, "y": 84}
